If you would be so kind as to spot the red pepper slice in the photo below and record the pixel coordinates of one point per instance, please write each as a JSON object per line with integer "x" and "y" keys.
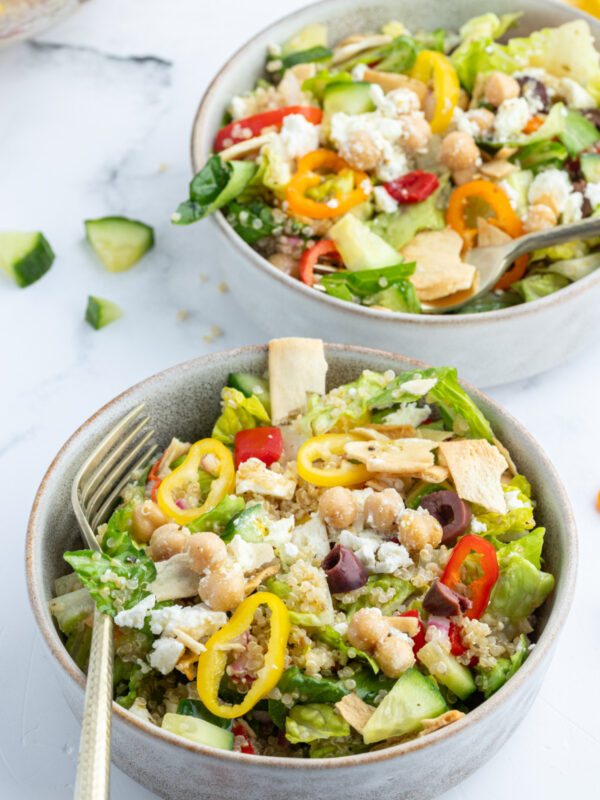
{"x": 153, "y": 477}
{"x": 326, "y": 247}
{"x": 480, "y": 587}
{"x": 419, "y": 638}
{"x": 237, "y": 131}
{"x": 263, "y": 443}
{"x": 413, "y": 187}
{"x": 239, "y": 730}
{"x": 456, "y": 645}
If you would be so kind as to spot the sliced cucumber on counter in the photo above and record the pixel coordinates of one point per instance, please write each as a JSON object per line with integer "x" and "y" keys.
{"x": 119, "y": 242}
{"x": 249, "y": 384}
{"x": 351, "y": 98}
{"x": 447, "y": 670}
{"x": 25, "y": 257}
{"x": 412, "y": 699}
{"x": 198, "y": 730}
{"x": 101, "y": 312}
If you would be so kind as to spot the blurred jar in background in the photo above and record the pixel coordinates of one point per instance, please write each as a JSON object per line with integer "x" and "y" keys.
{"x": 20, "y": 19}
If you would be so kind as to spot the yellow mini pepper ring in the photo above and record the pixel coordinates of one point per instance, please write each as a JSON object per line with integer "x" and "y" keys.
{"x": 306, "y": 178}
{"x": 321, "y": 448}
{"x": 178, "y": 480}
{"x": 435, "y": 67}
{"x": 213, "y": 661}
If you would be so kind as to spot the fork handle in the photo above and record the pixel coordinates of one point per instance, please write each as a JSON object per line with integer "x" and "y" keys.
{"x": 584, "y": 229}
{"x": 93, "y": 764}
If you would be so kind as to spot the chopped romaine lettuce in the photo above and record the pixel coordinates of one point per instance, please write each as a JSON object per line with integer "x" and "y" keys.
{"x": 331, "y": 637}
{"x": 540, "y": 155}
{"x": 217, "y": 518}
{"x": 252, "y": 221}
{"x": 335, "y": 748}
{"x": 310, "y": 690}
{"x": 489, "y": 681}
{"x": 239, "y": 413}
{"x": 540, "y": 285}
{"x": 578, "y": 133}
{"x": 480, "y": 56}
{"x": 520, "y": 588}
{"x": 317, "y": 85}
{"x": 528, "y": 547}
{"x": 492, "y": 301}
{"x": 216, "y": 184}
{"x": 488, "y": 26}
{"x": 376, "y": 584}
{"x": 401, "y": 297}
{"x": 397, "y": 228}
{"x": 314, "y": 721}
{"x": 517, "y": 520}
{"x": 576, "y": 268}
{"x": 386, "y": 286}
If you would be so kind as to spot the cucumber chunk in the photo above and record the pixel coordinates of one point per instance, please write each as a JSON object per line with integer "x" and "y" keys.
{"x": 360, "y": 248}
{"x": 197, "y": 709}
{"x": 250, "y": 524}
{"x": 119, "y": 242}
{"x": 25, "y": 257}
{"x": 412, "y": 699}
{"x": 101, "y": 312}
{"x": 350, "y": 98}
{"x": 447, "y": 670}
{"x": 71, "y": 608}
{"x": 590, "y": 166}
{"x": 67, "y": 583}
{"x": 198, "y": 730}
{"x": 249, "y": 384}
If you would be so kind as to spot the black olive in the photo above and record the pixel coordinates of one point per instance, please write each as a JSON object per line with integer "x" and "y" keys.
{"x": 453, "y": 514}
{"x": 344, "y": 570}
{"x": 586, "y": 206}
{"x": 535, "y": 88}
{"x": 441, "y": 601}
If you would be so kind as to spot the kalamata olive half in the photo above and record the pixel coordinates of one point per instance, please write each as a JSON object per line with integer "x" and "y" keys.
{"x": 344, "y": 570}
{"x": 453, "y": 514}
{"x": 535, "y": 90}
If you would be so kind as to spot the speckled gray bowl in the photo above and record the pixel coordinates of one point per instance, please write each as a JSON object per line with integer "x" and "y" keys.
{"x": 489, "y": 348}
{"x": 185, "y": 399}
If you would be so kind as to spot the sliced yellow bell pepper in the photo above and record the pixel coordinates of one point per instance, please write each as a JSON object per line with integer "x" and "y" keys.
{"x": 322, "y": 448}
{"x": 177, "y": 481}
{"x": 306, "y": 178}
{"x": 433, "y": 66}
{"x": 212, "y": 662}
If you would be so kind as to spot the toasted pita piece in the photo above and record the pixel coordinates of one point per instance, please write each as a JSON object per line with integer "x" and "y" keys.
{"x": 497, "y": 168}
{"x": 395, "y": 80}
{"x": 431, "y": 725}
{"x": 187, "y": 664}
{"x": 187, "y": 641}
{"x": 296, "y": 367}
{"x": 511, "y": 464}
{"x": 432, "y": 433}
{"x": 489, "y": 235}
{"x": 175, "y": 579}
{"x": 355, "y": 711}
{"x": 440, "y": 271}
{"x": 383, "y": 432}
{"x": 244, "y": 148}
{"x": 398, "y": 456}
{"x": 436, "y": 474}
{"x": 476, "y": 467}
{"x": 409, "y": 625}
{"x": 255, "y": 581}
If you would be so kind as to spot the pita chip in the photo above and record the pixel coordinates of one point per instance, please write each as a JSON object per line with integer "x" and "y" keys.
{"x": 296, "y": 367}
{"x": 355, "y": 711}
{"x": 440, "y": 271}
{"x": 397, "y": 456}
{"x": 476, "y": 467}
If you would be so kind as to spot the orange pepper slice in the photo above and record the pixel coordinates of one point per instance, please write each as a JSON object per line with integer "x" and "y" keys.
{"x": 306, "y": 177}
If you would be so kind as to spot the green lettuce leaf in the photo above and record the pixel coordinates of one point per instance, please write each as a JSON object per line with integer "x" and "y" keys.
{"x": 401, "y": 590}
{"x": 207, "y": 188}
{"x": 309, "y": 690}
{"x": 385, "y": 286}
{"x": 528, "y": 547}
{"x": 118, "y": 577}
{"x": 541, "y": 155}
{"x": 576, "y": 268}
{"x": 252, "y": 221}
{"x": 487, "y": 26}
{"x": 217, "y": 519}
{"x": 515, "y": 521}
{"x": 480, "y": 56}
{"x": 397, "y": 228}
{"x": 335, "y": 748}
{"x": 520, "y": 588}
{"x": 489, "y": 681}
{"x": 368, "y": 685}
{"x": 314, "y": 721}
{"x": 399, "y": 55}
{"x": 239, "y": 413}
{"x": 331, "y": 637}
{"x": 534, "y": 287}
{"x": 491, "y": 301}
{"x": 317, "y": 85}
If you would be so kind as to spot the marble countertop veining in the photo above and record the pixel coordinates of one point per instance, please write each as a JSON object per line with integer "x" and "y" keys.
{"x": 95, "y": 116}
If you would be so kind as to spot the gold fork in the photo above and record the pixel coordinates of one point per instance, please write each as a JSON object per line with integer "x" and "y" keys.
{"x": 123, "y": 452}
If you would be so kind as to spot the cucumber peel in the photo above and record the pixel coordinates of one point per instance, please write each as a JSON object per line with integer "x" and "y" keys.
{"x": 119, "y": 242}
{"x": 101, "y": 312}
{"x": 25, "y": 257}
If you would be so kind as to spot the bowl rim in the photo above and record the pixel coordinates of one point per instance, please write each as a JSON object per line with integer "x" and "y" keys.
{"x": 541, "y": 651}
{"x": 588, "y": 283}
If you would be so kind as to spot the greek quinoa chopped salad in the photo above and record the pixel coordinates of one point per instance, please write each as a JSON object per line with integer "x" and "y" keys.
{"x": 327, "y": 573}
{"x": 368, "y": 169}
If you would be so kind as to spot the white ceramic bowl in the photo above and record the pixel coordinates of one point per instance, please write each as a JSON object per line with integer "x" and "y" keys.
{"x": 489, "y": 348}
{"x": 186, "y": 399}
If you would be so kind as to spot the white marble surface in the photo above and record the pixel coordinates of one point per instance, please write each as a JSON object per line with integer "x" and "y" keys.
{"x": 88, "y": 114}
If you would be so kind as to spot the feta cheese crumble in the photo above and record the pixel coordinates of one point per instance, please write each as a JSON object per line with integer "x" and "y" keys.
{"x": 384, "y": 200}
{"x": 165, "y": 654}
{"x": 554, "y": 183}
{"x": 134, "y": 617}
{"x": 511, "y": 118}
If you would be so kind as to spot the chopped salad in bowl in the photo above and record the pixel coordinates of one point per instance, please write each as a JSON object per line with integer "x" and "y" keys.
{"x": 368, "y": 168}
{"x": 327, "y": 573}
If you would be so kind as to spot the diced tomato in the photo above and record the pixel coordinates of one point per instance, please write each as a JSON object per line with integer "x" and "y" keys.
{"x": 457, "y": 647}
{"x": 412, "y": 187}
{"x": 242, "y": 129}
{"x": 239, "y": 730}
{"x": 326, "y": 247}
{"x": 263, "y": 443}
{"x": 419, "y": 638}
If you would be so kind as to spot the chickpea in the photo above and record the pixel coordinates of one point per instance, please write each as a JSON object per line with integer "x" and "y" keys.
{"x": 367, "y": 628}
{"x": 207, "y": 551}
{"x": 499, "y": 87}
{"x": 463, "y": 99}
{"x": 459, "y": 151}
{"x": 417, "y": 133}
{"x": 538, "y": 218}
{"x": 394, "y": 655}
{"x": 383, "y": 509}
{"x": 146, "y": 517}
{"x": 338, "y": 507}
{"x": 482, "y": 118}
{"x": 285, "y": 262}
{"x": 417, "y": 529}
{"x": 223, "y": 588}
{"x": 167, "y": 541}
{"x": 360, "y": 151}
